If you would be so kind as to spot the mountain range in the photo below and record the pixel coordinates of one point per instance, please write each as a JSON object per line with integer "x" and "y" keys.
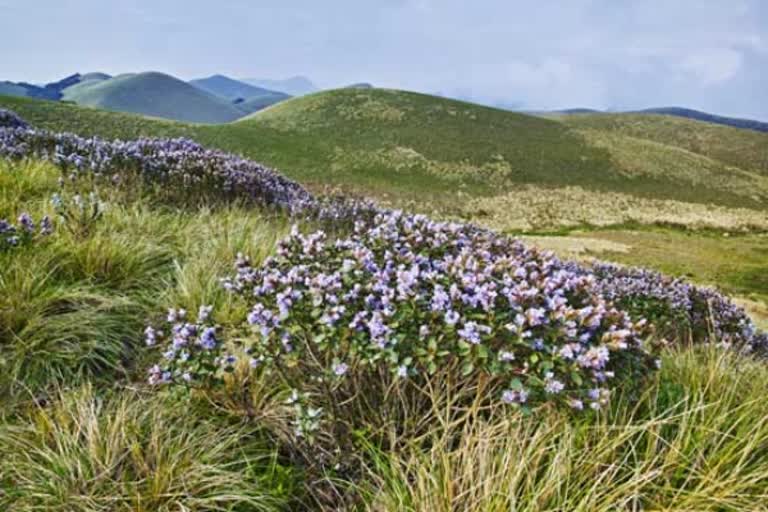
{"x": 215, "y": 99}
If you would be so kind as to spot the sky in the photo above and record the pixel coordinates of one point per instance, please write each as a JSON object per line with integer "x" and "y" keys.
{"x": 541, "y": 54}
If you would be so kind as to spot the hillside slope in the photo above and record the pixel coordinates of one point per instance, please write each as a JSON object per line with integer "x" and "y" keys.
{"x": 154, "y": 94}
{"x": 433, "y": 153}
{"x": 745, "y": 149}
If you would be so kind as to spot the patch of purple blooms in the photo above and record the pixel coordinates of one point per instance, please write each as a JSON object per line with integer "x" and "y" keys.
{"x": 679, "y": 308}
{"x": 176, "y": 162}
{"x": 192, "y": 350}
{"x": 9, "y": 119}
{"x": 25, "y": 229}
{"x": 415, "y": 295}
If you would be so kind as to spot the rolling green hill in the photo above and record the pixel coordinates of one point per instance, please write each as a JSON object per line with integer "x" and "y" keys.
{"x": 435, "y": 153}
{"x": 154, "y": 94}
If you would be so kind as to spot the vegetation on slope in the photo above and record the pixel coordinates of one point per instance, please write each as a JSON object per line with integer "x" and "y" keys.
{"x": 439, "y": 153}
{"x": 694, "y": 440}
{"x": 744, "y": 149}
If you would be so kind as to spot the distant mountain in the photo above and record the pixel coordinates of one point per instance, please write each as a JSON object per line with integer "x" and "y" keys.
{"x": 295, "y": 86}
{"x": 28, "y": 90}
{"x": 360, "y": 85}
{"x": 64, "y": 83}
{"x": 230, "y": 88}
{"x": 154, "y": 94}
{"x": 578, "y": 111}
{"x": 247, "y": 98}
{"x": 50, "y": 91}
{"x": 688, "y": 113}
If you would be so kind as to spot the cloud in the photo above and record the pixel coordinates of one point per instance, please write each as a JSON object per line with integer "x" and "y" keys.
{"x": 714, "y": 66}
{"x": 706, "y": 54}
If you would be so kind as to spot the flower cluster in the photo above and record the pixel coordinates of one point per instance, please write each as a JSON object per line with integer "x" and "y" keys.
{"x": 23, "y": 231}
{"x": 673, "y": 304}
{"x": 9, "y": 119}
{"x": 192, "y": 350}
{"x": 412, "y": 295}
{"x": 172, "y": 162}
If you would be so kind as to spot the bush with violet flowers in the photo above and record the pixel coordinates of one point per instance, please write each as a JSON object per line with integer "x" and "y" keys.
{"x": 357, "y": 327}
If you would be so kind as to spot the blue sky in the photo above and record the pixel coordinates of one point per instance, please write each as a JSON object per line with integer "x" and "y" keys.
{"x": 711, "y": 55}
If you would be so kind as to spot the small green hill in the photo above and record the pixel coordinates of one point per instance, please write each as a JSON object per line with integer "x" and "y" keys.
{"x": 154, "y": 94}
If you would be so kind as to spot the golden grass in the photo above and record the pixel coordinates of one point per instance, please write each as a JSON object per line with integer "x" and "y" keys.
{"x": 532, "y": 208}
{"x": 639, "y": 158}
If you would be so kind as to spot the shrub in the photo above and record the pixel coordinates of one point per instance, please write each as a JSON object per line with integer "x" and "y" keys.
{"x": 177, "y": 167}
{"x": 9, "y": 119}
{"x": 680, "y": 309}
{"x": 361, "y": 327}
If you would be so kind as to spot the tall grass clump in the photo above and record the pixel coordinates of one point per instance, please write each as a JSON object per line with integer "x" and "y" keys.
{"x": 129, "y": 452}
{"x": 696, "y": 440}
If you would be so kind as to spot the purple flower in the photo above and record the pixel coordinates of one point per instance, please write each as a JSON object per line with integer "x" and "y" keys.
{"x": 452, "y": 317}
{"x": 340, "y": 369}
{"x": 208, "y": 338}
{"x": 26, "y": 222}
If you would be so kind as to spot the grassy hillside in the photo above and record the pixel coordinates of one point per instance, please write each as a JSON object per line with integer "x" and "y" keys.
{"x": 434, "y": 153}
{"x": 154, "y": 94}
{"x": 745, "y": 149}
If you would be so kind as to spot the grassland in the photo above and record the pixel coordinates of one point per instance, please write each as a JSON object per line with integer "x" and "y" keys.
{"x": 80, "y": 431}
{"x": 437, "y": 153}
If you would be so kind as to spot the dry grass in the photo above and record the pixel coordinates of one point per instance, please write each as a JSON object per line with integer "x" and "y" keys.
{"x": 697, "y": 441}
{"x": 531, "y": 208}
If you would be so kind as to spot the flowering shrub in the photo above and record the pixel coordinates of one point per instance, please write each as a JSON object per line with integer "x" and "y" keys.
{"x": 9, "y": 119}
{"x": 411, "y": 294}
{"x": 680, "y": 308}
{"x": 12, "y": 236}
{"x": 174, "y": 166}
{"x": 402, "y": 301}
